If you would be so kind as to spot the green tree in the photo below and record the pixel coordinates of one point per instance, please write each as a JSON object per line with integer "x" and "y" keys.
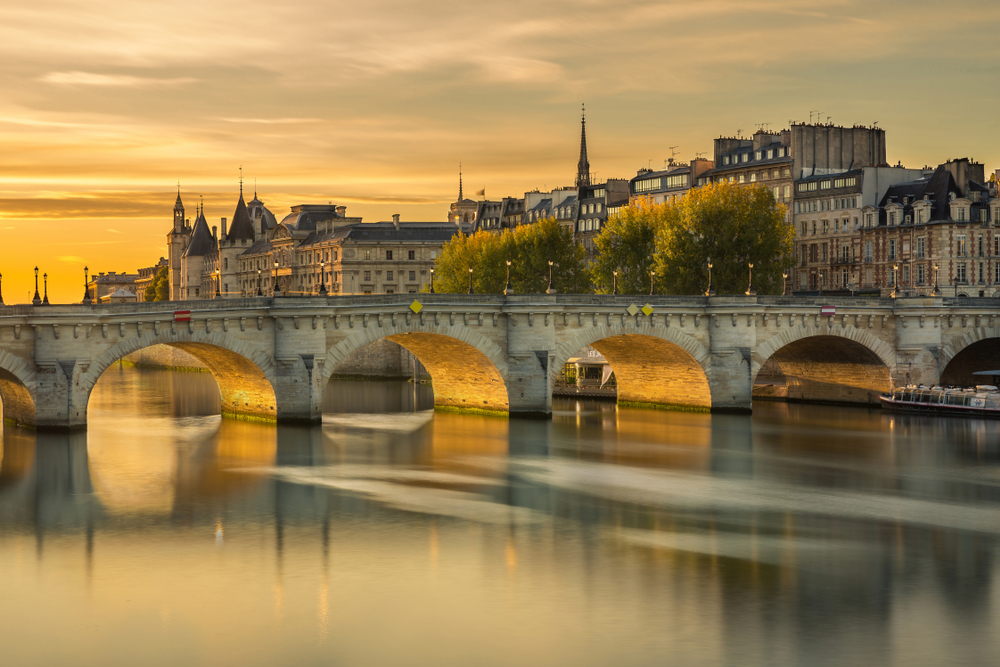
{"x": 159, "y": 288}
{"x": 731, "y": 225}
{"x": 626, "y": 244}
{"x": 529, "y": 249}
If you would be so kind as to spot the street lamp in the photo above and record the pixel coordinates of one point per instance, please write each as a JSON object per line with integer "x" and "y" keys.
{"x": 1, "y": 289}
{"x": 470, "y": 280}
{"x": 322, "y": 278}
{"x": 895, "y": 281}
{"x": 750, "y": 290}
{"x": 45, "y": 279}
{"x": 508, "y": 289}
{"x": 86, "y": 286}
{"x": 432, "y": 281}
{"x": 218, "y": 284}
{"x": 936, "y": 291}
{"x": 711, "y": 290}
{"x": 36, "y": 300}
{"x": 259, "y": 292}
{"x": 275, "y": 291}
{"x": 652, "y": 277}
{"x": 551, "y": 289}
{"x": 784, "y": 283}
{"x": 615, "y": 290}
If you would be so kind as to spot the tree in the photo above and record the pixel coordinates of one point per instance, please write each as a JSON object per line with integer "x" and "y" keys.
{"x": 159, "y": 288}
{"x": 731, "y": 225}
{"x": 529, "y": 249}
{"x": 626, "y": 244}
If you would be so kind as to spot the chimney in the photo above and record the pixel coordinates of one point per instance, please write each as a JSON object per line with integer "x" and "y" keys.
{"x": 215, "y": 232}
{"x": 395, "y": 220}
{"x": 223, "y": 229}
{"x": 342, "y": 211}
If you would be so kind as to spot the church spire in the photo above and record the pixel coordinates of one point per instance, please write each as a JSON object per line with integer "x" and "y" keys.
{"x": 583, "y": 166}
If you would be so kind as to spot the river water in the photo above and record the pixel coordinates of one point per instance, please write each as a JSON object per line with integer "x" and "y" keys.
{"x": 803, "y": 535}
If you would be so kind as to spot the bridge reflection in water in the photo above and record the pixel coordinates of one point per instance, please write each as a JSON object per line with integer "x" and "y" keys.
{"x": 167, "y": 535}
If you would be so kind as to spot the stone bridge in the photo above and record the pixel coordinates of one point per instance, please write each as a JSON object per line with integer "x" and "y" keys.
{"x": 272, "y": 358}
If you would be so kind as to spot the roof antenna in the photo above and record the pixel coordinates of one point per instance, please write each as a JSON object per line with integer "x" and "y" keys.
{"x": 241, "y": 180}
{"x": 202, "y": 198}
{"x": 254, "y": 187}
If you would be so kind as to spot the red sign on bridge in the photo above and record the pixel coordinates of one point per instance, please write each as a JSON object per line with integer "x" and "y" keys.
{"x": 182, "y": 316}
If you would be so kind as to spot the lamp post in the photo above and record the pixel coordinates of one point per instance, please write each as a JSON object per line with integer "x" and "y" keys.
{"x": 432, "y": 281}
{"x": 895, "y": 281}
{"x": 614, "y": 291}
{"x": 711, "y": 290}
{"x": 470, "y": 280}
{"x": 652, "y": 279}
{"x": 36, "y": 300}
{"x": 275, "y": 291}
{"x": 86, "y": 286}
{"x": 45, "y": 281}
{"x": 259, "y": 292}
{"x": 218, "y": 284}
{"x": 1, "y": 289}
{"x": 750, "y": 290}
{"x": 322, "y": 278}
{"x": 551, "y": 289}
{"x": 784, "y": 283}
{"x": 936, "y": 291}
{"x": 508, "y": 290}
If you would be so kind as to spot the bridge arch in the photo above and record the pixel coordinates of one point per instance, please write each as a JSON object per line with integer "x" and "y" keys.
{"x": 978, "y": 349}
{"x": 653, "y": 364}
{"x": 829, "y": 363}
{"x": 245, "y": 375}
{"x": 17, "y": 388}
{"x": 468, "y": 370}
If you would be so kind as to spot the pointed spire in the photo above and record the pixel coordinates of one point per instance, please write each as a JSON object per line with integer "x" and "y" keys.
{"x": 583, "y": 166}
{"x": 178, "y": 205}
{"x": 241, "y": 181}
{"x": 460, "y": 181}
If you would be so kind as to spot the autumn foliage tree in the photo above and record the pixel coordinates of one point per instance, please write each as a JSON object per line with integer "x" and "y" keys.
{"x": 529, "y": 249}
{"x": 159, "y": 288}
{"x": 627, "y": 244}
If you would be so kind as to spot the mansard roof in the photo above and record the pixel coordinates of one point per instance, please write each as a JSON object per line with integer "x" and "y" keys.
{"x": 202, "y": 243}
{"x": 241, "y": 228}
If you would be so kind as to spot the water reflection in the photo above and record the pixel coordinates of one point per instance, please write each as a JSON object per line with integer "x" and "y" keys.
{"x": 802, "y": 535}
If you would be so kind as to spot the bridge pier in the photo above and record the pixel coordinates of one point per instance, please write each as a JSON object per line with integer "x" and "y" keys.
{"x": 732, "y": 334}
{"x": 60, "y": 401}
{"x": 531, "y": 354}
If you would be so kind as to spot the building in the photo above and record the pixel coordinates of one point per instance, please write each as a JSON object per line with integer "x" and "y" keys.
{"x": 936, "y": 233}
{"x": 104, "y": 284}
{"x": 827, "y": 219}
{"x": 146, "y": 276}
{"x": 463, "y": 211}
{"x": 669, "y": 184}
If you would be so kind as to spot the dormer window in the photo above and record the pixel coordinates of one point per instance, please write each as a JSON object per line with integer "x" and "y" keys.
{"x": 757, "y": 155}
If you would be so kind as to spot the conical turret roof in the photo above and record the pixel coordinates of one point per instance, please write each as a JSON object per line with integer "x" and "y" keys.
{"x": 202, "y": 242}
{"x": 242, "y": 227}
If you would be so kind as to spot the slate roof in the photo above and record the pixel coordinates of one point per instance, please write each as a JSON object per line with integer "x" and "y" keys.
{"x": 241, "y": 228}
{"x": 202, "y": 243}
{"x": 387, "y": 231}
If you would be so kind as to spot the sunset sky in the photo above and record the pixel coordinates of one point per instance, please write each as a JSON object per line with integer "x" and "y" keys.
{"x": 105, "y": 105}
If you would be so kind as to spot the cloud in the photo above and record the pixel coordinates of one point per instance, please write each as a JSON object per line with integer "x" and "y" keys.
{"x": 77, "y": 78}
{"x": 114, "y": 231}
{"x": 71, "y": 258}
{"x": 272, "y": 121}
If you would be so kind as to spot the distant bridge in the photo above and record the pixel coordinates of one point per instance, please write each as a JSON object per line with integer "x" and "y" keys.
{"x": 272, "y": 357}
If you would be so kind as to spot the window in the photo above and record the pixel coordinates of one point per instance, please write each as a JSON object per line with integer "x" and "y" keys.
{"x": 824, "y": 249}
{"x": 920, "y": 274}
{"x": 921, "y": 247}
{"x": 757, "y": 155}
{"x": 906, "y": 274}
{"x": 368, "y": 254}
{"x": 826, "y": 226}
{"x": 960, "y": 215}
{"x": 725, "y": 159}
{"x": 812, "y": 186}
{"x": 805, "y": 229}
{"x": 753, "y": 177}
{"x": 788, "y": 192}
{"x": 411, "y": 254}
{"x": 746, "y": 157}
{"x": 388, "y": 276}
{"x": 770, "y": 154}
{"x": 960, "y": 276}
{"x": 814, "y": 227}
{"x": 824, "y": 185}
{"x": 786, "y": 172}
{"x": 801, "y": 187}
{"x": 413, "y": 275}
{"x": 742, "y": 178}
{"x": 777, "y": 192}
{"x": 892, "y": 277}
{"x": 388, "y": 254}
{"x": 981, "y": 268}
{"x": 960, "y": 246}
{"x": 892, "y": 248}
{"x": 368, "y": 276}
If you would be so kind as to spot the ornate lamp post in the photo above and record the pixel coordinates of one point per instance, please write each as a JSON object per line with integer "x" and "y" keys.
{"x": 322, "y": 278}
{"x": 711, "y": 290}
{"x": 936, "y": 291}
{"x": 259, "y": 292}
{"x": 45, "y": 279}
{"x": 895, "y": 281}
{"x": 275, "y": 291}
{"x": 652, "y": 279}
{"x": 784, "y": 283}
{"x": 470, "y": 280}
{"x": 551, "y": 289}
{"x": 218, "y": 284}
{"x": 508, "y": 289}
{"x": 750, "y": 290}
{"x": 1, "y": 289}
{"x": 432, "y": 281}
{"x": 36, "y": 300}
{"x": 86, "y": 286}
{"x": 614, "y": 291}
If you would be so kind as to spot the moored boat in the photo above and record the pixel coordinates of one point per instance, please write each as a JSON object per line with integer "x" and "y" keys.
{"x": 981, "y": 401}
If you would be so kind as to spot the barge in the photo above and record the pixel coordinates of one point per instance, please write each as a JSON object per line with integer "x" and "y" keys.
{"x": 981, "y": 401}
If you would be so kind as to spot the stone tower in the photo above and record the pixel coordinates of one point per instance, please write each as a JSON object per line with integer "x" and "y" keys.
{"x": 177, "y": 240}
{"x": 583, "y": 166}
